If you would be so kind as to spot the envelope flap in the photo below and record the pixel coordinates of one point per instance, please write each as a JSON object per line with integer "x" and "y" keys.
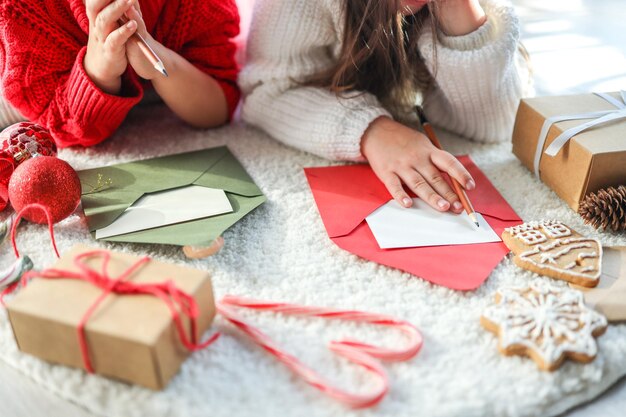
{"x": 486, "y": 198}
{"x": 229, "y": 175}
{"x": 108, "y": 191}
{"x": 345, "y": 195}
{"x": 200, "y": 232}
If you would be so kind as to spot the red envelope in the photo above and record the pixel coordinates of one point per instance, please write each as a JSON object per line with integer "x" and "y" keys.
{"x": 346, "y": 195}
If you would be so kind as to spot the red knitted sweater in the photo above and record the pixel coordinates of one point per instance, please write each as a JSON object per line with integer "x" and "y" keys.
{"x": 43, "y": 44}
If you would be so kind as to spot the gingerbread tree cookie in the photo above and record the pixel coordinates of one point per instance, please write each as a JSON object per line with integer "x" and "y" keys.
{"x": 553, "y": 249}
{"x": 546, "y": 323}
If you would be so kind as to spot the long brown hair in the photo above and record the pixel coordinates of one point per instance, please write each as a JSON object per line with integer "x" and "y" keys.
{"x": 379, "y": 54}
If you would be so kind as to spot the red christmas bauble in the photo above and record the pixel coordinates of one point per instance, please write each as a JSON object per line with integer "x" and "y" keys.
{"x": 23, "y": 141}
{"x": 48, "y": 181}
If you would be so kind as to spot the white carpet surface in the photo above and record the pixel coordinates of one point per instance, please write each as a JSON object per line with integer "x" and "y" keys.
{"x": 281, "y": 252}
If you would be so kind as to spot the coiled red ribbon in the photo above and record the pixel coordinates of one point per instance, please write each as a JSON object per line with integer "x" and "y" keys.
{"x": 360, "y": 353}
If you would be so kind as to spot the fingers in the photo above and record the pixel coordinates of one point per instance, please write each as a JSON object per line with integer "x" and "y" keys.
{"x": 436, "y": 180}
{"x": 448, "y": 163}
{"x": 118, "y": 38}
{"x": 394, "y": 186}
{"x": 93, "y": 7}
{"x": 114, "y": 11}
{"x": 134, "y": 14}
{"x": 402, "y": 155}
{"x": 420, "y": 186}
{"x": 429, "y": 185}
{"x": 137, "y": 7}
{"x": 106, "y": 20}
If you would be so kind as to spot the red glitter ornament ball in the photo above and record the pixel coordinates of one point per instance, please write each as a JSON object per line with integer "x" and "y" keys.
{"x": 23, "y": 141}
{"x": 48, "y": 181}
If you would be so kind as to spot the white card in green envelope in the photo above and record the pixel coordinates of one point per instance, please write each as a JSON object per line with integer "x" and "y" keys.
{"x": 168, "y": 207}
{"x": 394, "y": 226}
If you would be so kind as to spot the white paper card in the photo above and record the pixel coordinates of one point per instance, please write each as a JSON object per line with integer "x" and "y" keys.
{"x": 168, "y": 207}
{"x": 397, "y": 227}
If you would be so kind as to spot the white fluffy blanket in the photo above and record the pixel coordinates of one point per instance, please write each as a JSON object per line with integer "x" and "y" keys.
{"x": 281, "y": 252}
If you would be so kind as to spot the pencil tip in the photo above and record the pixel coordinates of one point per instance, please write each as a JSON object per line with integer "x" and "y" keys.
{"x": 161, "y": 68}
{"x": 476, "y": 223}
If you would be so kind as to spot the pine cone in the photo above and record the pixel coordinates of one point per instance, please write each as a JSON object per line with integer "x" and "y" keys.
{"x": 605, "y": 209}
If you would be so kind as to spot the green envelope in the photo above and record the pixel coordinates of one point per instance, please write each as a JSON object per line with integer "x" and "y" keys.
{"x": 214, "y": 168}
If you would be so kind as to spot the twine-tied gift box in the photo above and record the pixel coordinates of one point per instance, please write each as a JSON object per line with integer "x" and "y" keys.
{"x": 140, "y": 334}
{"x": 575, "y": 144}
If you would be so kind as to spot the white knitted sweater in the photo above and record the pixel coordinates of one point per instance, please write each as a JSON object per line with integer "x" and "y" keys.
{"x": 480, "y": 78}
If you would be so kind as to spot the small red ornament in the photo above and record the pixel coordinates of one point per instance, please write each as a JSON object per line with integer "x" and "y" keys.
{"x": 22, "y": 141}
{"x": 48, "y": 181}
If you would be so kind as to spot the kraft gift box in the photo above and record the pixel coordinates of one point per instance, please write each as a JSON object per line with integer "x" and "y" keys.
{"x": 591, "y": 160}
{"x": 129, "y": 337}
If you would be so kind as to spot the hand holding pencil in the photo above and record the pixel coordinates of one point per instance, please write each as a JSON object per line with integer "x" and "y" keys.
{"x": 139, "y": 47}
{"x": 111, "y": 25}
{"x": 460, "y": 192}
{"x": 146, "y": 49}
{"x": 405, "y": 159}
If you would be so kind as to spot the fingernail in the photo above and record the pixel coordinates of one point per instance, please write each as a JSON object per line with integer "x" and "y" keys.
{"x": 471, "y": 185}
{"x": 457, "y": 205}
{"x": 442, "y": 204}
{"x": 130, "y": 24}
{"x": 406, "y": 201}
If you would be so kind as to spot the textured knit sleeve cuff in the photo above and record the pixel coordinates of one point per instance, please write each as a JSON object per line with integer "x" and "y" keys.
{"x": 90, "y": 104}
{"x": 474, "y": 40}
{"x": 500, "y": 29}
{"x": 347, "y": 145}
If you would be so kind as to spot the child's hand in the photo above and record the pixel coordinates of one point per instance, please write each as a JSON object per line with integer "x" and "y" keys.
{"x": 398, "y": 155}
{"x": 460, "y": 17}
{"x": 142, "y": 66}
{"x": 105, "y": 60}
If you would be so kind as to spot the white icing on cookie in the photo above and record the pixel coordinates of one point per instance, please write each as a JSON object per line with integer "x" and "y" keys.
{"x": 549, "y": 320}
{"x": 531, "y": 237}
{"x": 520, "y": 228}
{"x": 587, "y": 255}
{"x": 555, "y": 229}
{"x": 523, "y": 228}
{"x": 549, "y": 260}
{"x": 567, "y": 250}
{"x": 531, "y": 233}
{"x": 570, "y": 265}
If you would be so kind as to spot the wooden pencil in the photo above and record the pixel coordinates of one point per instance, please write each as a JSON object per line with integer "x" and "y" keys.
{"x": 458, "y": 189}
{"x": 146, "y": 49}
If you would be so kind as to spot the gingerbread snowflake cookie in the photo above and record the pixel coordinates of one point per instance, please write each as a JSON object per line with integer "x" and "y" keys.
{"x": 546, "y": 323}
{"x": 553, "y": 249}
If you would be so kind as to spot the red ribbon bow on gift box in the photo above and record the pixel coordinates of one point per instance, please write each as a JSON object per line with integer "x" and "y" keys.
{"x": 177, "y": 301}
